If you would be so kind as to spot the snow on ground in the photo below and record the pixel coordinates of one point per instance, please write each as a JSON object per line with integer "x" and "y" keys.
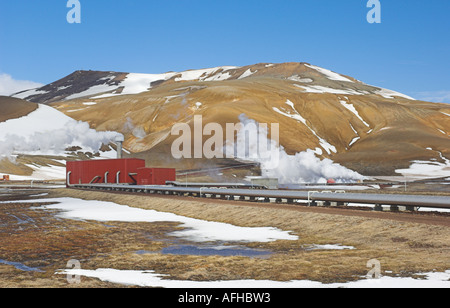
{"x": 426, "y": 169}
{"x": 391, "y": 94}
{"x": 353, "y": 110}
{"x": 353, "y": 141}
{"x": 296, "y": 116}
{"x": 218, "y": 77}
{"x": 329, "y": 74}
{"x": 201, "y": 231}
{"x": 29, "y": 93}
{"x": 92, "y": 91}
{"x": 322, "y": 89}
{"x": 247, "y": 73}
{"x": 207, "y": 74}
{"x": 47, "y": 172}
{"x": 300, "y": 79}
{"x": 195, "y": 230}
{"x": 137, "y": 83}
{"x": 151, "y": 279}
{"x": 195, "y": 74}
{"x": 44, "y": 118}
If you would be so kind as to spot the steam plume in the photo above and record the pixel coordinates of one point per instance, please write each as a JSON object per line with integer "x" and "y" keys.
{"x": 303, "y": 167}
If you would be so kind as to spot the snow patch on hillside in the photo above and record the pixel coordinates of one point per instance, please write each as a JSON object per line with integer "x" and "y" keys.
{"x": 426, "y": 169}
{"x": 92, "y": 91}
{"x": 392, "y": 94}
{"x": 296, "y": 116}
{"x": 46, "y": 131}
{"x": 29, "y": 93}
{"x": 353, "y": 110}
{"x": 247, "y": 73}
{"x": 139, "y": 83}
{"x": 322, "y": 90}
{"x": 300, "y": 79}
{"x": 329, "y": 74}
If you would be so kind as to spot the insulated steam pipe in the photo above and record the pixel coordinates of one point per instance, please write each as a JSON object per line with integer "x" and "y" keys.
{"x": 68, "y": 179}
{"x": 385, "y": 199}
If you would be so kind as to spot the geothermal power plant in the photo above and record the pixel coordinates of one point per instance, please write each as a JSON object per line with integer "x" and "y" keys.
{"x": 129, "y": 175}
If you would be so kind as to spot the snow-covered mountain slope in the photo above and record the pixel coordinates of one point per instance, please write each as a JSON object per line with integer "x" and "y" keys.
{"x": 96, "y": 84}
{"x": 43, "y": 133}
{"x": 366, "y": 128}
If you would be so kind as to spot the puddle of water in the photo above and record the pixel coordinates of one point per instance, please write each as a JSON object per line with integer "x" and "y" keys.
{"x": 225, "y": 251}
{"x": 21, "y": 266}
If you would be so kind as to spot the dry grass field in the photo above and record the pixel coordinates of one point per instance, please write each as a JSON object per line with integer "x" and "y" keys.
{"x": 403, "y": 244}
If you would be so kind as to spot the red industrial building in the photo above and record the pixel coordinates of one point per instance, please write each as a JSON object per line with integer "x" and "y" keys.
{"x": 117, "y": 171}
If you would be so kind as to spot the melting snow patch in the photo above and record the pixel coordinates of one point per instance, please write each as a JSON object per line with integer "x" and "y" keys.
{"x": 353, "y": 141}
{"x": 391, "y": 94}
{"x": 296, "y": 116}
{"x": 426, "y": 169}
{"x": 247, "y": 73}
{"x": 151, "y": 279}
{"x": 29, "y": 93}
{"x": 353, "y": 110}
{"x": 195, "y": 230}
{"x": 329, "y": 74}
{"x": 300, "y": 79}
{"x": 322, "y": 89}
{"x": 93, "y": 91}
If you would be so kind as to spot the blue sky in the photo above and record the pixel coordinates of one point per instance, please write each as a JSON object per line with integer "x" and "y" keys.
{"x": 408, "y": 52}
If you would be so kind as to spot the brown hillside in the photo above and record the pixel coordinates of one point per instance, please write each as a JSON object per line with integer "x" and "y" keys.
{"x": 13, "y": 108}
{"x": 368, "y": 129}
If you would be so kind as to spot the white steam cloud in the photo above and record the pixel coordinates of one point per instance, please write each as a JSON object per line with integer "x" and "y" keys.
{"x": 136, "y": 131}
{"x": 303, "y": 167}
{"x": 9, "y": 85}
{"x": 48, "y": 131}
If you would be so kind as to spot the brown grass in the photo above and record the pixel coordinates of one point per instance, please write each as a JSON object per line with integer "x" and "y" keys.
{"x": 401, "y": 247}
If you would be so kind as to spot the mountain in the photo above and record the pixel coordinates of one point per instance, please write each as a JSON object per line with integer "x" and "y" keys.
{"x": 371, "y": 130}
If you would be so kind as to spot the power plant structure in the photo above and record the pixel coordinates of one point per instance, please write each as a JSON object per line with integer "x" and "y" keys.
{"x": 131, "y": 175}
{"x": 131, "y": 171}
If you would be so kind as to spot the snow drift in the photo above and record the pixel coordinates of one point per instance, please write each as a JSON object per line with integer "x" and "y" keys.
{"x": 47, "y": 131}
